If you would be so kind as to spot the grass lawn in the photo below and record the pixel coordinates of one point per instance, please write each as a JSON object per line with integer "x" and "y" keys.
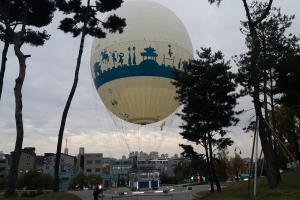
{"x": 49, "y": 196}
{"x": 288, "y": 190}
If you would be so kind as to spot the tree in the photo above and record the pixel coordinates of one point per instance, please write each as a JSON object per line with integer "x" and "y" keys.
{"x": 206, "y": 90}
{"x": 79, "y": 181}
{"x": 106, "y": 169}
{"x": 236, "y": 166}
{"x": 17, "y": 18}
{"x": 288, "y": 127}
{"x": 35, "y": 181}
{"x": 278, "y": 50}
{"x": 5, "y": 40}
{"x": 221, "y": 164}
{"x": 198, "y": 162}
{"x": 254, "y": 19}
{"x": 31, "y": 37}
{"x": 84, "y": 22}
{"x": 289, "y": 80}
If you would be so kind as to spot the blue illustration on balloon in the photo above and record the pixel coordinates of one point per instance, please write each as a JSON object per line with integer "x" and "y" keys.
{"x": 121, "y": 58}
{"x": 105, "y": 56}
{"x": 149, "y": 54}
{"x": 129, "y": 56}
{"x": 114, "y": 57}
{"x": 97, "y": 69}
{"x": 134, "y": 57}
{"x": 170, "y": 51}
{"x": 169, "y": 58}
{"x": 147, "y": 67}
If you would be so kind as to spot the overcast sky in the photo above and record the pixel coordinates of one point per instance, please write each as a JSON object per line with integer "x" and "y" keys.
{"x": 49, "y": 77}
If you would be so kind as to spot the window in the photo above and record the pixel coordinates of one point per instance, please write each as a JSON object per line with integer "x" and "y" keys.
{"x": 89, "y": 170}
{"x": 89, "y": 162}
{"x": 98, "y": 161}
{"x": 97, "y": 170}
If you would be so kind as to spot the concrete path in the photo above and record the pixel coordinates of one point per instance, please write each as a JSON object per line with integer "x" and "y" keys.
{"x": 179, "y": 193}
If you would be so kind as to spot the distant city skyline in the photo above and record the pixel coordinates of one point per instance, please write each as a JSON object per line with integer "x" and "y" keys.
{"x": 50, "y": 73}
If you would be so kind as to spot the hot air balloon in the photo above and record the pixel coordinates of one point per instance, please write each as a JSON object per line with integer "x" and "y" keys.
{"x": 133, "y": 71}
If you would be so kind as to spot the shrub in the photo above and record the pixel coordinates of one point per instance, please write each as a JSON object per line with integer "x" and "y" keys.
{"x": 2, "y": 183}
{"x": 39, "y": 192}
{"x": 35, "y": 181}
{"x": 24, "y": 194}
{"x": 32, "y": 194}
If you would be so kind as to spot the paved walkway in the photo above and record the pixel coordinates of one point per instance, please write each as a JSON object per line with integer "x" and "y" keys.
{"x": 179, "y": 193}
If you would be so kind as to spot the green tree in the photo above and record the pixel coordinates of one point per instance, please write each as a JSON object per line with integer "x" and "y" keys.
{"x": 221, "y": 164}
{"x": 254, "y": 19}
{"x": 79, "y": 181}
{"x": 276, "y": 60}
{"x": 236, "y": 166}
{"x": 288, "y": 127}
{"x": 84, "y": 22}
{"x": 35, "y": 181}
{"x": 206, "y": 90}
{"x": 4, "y": 38}
{"x": 289, "y": 80}
{"x": 2, "y": 183}
{"x": 198, "y": 166}
{"x": 17, "y": 20}
{"x": 279, "y": 47}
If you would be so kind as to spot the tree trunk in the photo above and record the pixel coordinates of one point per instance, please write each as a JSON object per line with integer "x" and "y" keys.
{"x": 265, "y": 88}
{"x": 208, "y": 161}
{"x": 3, "y": 65}
{"x": 212, "y": 168}
{"x": 295, "y": 141}
{"x": 13, "y": 172}
{"x": 273, "y": 174}
{"x": 65, "y": 114}
{"x": 274, "y": 126}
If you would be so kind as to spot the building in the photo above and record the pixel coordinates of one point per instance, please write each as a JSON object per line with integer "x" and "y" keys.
{"x": 143, "y": 175}
{"x": 118, "y": 172}
{"x": 153, "y": 155}
{"x": 4, "y": 167}
{"x": 27, "y": 160}
{"x": 90, "y": 163}
{"x": 67, "y": 164}
{"x": 39, "y": 163}
{"x": 66, "y": 168}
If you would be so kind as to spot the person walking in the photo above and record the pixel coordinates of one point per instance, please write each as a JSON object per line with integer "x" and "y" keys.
{"x": 96, "y": 192}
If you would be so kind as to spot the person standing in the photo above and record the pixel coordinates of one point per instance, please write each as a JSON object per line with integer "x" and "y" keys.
{"x": 96, "y": 192}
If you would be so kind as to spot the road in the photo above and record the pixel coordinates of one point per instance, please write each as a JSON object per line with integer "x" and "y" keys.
{"x": 179, "y": 193}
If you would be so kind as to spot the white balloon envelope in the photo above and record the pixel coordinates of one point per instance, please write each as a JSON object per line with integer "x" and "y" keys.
{"x": 133, "y": 71}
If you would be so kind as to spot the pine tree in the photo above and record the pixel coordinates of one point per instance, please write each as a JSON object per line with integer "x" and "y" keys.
{"x": 34, "y": 38}
{"x": 254, "y": 19}
{"x": 276, "y": 60}
{"x": 4, "y": 38}
{"x": 206, "y": 90}
{"x": 17, "y": 20}
{"x": 85, "y": 22}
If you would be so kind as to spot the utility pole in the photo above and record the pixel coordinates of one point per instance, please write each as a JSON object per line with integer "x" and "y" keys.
{"x": 256, "y": 152}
